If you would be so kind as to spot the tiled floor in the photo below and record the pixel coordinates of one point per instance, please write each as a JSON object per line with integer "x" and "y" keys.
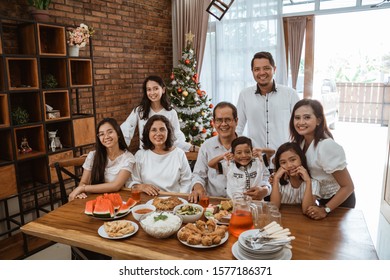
{"x": 364, "y": 145}
{"x": 55, "y": 252}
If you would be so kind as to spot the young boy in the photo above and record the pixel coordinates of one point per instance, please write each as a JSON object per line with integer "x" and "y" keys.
{"x": 242, "y": 168}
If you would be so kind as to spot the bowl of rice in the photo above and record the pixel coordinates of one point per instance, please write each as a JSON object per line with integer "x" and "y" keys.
{"x": 161, "y": 224}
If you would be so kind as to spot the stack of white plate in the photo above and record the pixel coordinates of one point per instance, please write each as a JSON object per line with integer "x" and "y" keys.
{"x": 243, "y": 251}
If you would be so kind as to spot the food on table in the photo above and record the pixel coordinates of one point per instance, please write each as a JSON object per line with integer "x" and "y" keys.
{"x": 188, "y": 209}
{"x": 221, "y": 211}
{"x": 190, "y": 213}
{"x": 161, "y": 225}
{"x": 108, "y": 206}
{"x": 202, "y": 233}
{"x": 143, "y": 211}
{"x": 166, "y": 204}
{"x": 118, "y": 228}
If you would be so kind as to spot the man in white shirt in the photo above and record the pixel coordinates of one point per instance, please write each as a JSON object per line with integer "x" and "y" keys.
{"x": 209, "y": 180}
{"x": 266, "y": 107}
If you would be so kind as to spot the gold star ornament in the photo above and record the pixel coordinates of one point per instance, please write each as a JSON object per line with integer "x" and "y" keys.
{"x": 189, "y": 37}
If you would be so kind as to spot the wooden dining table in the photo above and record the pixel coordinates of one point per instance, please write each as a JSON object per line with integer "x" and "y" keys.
{"x": 341, "y": 235}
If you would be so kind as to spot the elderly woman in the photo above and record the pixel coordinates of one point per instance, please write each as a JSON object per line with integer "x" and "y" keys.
{"x": 160, "y": 165}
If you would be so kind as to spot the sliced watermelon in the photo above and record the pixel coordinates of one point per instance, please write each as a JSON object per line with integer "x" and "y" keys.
{"x": 89, "y": 206}
{"x": 131, "y": 202}
{"x": 115, "y": 198}
{"x": 103, "y": 208}
{"x": 123, "y": 210}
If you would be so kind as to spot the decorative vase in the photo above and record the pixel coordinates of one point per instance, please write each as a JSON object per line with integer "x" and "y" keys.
{"x": 74, "y": 51}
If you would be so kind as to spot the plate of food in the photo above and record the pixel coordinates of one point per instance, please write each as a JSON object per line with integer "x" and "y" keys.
{"x": 203, "y": 235}
{"x": 108, "y": 207}
{"x": 118, "y": 229}
{"x": 166, "y": 203}
{"x": 221, "y": 212}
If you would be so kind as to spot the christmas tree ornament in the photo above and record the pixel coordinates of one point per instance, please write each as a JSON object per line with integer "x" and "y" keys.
{"x": 172, "y": 76}
{"x": 185, "y": 93}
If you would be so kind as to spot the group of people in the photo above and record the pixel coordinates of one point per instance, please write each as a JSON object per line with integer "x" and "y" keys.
{"x": 288, "y": 157}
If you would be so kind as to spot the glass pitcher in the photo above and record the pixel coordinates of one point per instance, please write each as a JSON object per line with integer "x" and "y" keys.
{"x": 244, "y": 212}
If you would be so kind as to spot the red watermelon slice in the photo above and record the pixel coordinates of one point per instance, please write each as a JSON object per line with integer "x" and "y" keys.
{"x": 125, "y": 208}
{"x": 103, "y": 208}
{"x": 89, "y": 206}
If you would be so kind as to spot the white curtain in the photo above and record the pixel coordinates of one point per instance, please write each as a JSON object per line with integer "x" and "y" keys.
{"x": 249, "y": 26}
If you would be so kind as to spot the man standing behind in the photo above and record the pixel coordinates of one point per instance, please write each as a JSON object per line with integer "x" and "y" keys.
{"x": 266, "y": 106}
{"x": 208, "y": 180}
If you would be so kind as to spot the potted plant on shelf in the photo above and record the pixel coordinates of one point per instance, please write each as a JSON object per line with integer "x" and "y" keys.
{"x": 39, "y": 9}
{"x": 20, "y": 116}
{"x": 78, "y": 38}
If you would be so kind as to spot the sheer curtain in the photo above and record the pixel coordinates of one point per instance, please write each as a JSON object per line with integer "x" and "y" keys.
{"x": 249, "y": 26}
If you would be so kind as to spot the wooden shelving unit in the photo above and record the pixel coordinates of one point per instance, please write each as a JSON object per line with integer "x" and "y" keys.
{"x": 32, "y": 56}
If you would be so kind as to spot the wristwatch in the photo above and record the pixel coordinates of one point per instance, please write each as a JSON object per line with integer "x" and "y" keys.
{"x": 327, "y": 210}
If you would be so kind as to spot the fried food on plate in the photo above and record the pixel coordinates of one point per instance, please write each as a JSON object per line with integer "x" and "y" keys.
{"x": 166, "y": 204}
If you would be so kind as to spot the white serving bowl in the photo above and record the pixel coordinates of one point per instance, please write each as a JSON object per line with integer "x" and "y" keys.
{"x": 161, "y": 228}
{"x": 189, "y": 217}
{"x": 137, "y": 208}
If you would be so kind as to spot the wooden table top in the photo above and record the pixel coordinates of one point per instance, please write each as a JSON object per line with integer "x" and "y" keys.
{"x": 342, "y": 235}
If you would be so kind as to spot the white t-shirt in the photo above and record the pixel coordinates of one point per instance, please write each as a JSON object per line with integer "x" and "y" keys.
{"x": 290, "y": 195}
{"x": 169, "y": 172}
{"x": 322, "y": 161}
{"x": 128, "y": 127}
{"x": 123, "y": 162}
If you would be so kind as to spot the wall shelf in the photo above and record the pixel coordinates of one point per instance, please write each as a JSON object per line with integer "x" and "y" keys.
{"x": 29, "y": 52}
{"x": 22, "y": 73}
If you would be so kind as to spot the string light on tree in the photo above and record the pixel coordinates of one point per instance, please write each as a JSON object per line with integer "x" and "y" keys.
{"x": 192, "y": 104}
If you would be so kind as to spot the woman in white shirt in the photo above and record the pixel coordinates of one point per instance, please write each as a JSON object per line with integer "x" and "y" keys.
{"x": 154, "y": 101}
{"x": 325, "y": 158}
{"x": 160, "y": 165}
{"x": 109, "y": 167}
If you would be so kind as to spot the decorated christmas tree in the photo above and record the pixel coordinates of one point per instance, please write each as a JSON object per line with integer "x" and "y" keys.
{"x": 192, "y": 104}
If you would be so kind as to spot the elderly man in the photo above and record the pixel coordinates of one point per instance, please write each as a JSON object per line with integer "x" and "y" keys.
{"x": 208, "y": 180}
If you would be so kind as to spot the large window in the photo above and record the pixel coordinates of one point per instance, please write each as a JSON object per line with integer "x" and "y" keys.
{"x": 250, "y": 26}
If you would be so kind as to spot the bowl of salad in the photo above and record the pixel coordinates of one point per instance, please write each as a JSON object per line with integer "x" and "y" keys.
{"x": 190, "y": 212}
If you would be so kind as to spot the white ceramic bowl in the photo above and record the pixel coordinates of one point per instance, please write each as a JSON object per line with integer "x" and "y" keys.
{"x": 186, "y": 210}
{"x": 154, "y": 224}
{"x": 136, "y": 210}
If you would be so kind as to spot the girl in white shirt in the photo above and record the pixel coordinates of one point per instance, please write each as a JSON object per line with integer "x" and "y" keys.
{"x": 109, "y": 167}
{"x": 292, "y": 183}
{"x": 325, "y": 158}
{"x": 160, "y": 165}
{"x": 154, "y": 101}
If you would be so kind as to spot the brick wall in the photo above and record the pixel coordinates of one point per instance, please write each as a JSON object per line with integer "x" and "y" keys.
{"x": 133, "y": 39}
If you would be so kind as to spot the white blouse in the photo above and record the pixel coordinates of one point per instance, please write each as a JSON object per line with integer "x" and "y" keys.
{"x": 169, "y": 172}
{"x": 322, "y": 161}
{"x": 123, "y": 162}
{"x": 128, "y": 127}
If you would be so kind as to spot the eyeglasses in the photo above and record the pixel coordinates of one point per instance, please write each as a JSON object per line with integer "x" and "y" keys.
{"x": 109, "y": 132}
{"x": 221, "y": 120}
